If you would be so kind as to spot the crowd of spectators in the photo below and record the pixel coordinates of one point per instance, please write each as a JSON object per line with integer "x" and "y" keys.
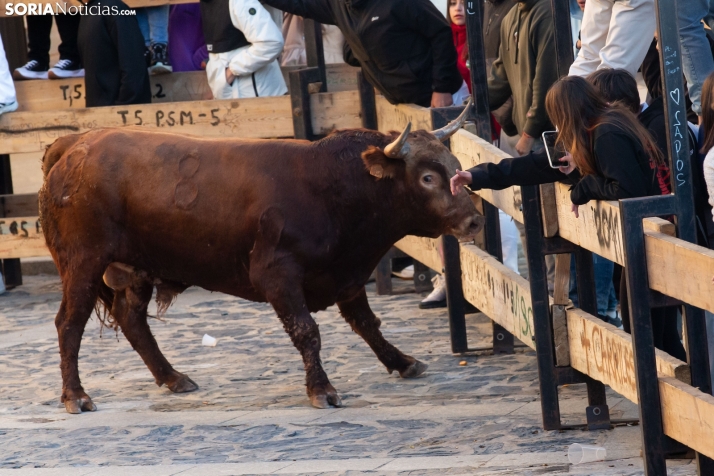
{"x": 609, "y": 112}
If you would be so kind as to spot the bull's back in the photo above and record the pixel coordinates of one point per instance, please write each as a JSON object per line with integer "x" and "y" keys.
{"x": 184, "y": 202}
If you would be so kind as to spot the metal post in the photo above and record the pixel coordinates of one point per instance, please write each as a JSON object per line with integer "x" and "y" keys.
{"x": 502, "y": 339}
{"x": 12, "y": 30}
{"x": 681, "y": 177}
{"x": 632, "y": 212}
{"x": 563, "y": 35}
{"x": 368, "y": 102}
{"x": 314, "y": 50}
{"x": 543, "y": 329}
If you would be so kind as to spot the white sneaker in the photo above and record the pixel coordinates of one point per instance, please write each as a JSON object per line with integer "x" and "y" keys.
{"x": 8, "y": 107}
{"x": 31, "y": 70}
{"x": 407, "y": 273}
{"x": 437, "y": 298}
{"x": 66, "y": 69}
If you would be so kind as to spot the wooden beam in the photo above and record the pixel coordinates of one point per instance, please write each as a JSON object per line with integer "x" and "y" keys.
{"x": 50, "y": 95}
{"x": 22, "y": 238}
{"x": 680, "y": 269}
{"x": 19, "y": 205}
{"x": 471, "y": 151}
{"x": 395, "y": 117}
{"x": 604, "y": 352}
{"x": 500, "y": 293}
{"x": 249, "y": 118}
{"x": 687, "y": 415}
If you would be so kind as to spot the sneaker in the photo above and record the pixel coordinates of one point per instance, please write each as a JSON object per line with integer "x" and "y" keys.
{"x": 32, "y": 70}
{"x": 160, "y": 59}
{"x": 437, "y": 298}
{"x": 147, "y": 56}
{"x": 66, "y": 69}
{"x": 8, "y": 107}
{"x": 407, "y": 273}
{"x": 613, "y": 317}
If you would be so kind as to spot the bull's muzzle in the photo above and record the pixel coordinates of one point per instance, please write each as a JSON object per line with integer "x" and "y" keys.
{"x": 470, "y": 227}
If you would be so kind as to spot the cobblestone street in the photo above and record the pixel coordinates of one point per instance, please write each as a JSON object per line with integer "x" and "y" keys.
{"x": 251, "y": 414}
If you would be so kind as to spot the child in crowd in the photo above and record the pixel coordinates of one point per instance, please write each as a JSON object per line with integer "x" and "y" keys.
{"x": 611, "y": 157}
{"x": 243, "y": 45}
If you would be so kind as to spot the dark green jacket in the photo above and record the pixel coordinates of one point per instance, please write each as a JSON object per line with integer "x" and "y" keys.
{"x": 526, "y": 67}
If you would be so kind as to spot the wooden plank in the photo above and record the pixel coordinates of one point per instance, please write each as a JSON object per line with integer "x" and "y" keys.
{"x": 395, "y": 117}
{"x": 680, "y": 269}
{"x": 560, "y": 300}
{"x": 687, "y": 415}
{"x": 248, "y": 118}
{"x": 604, "y": 352}
{"x": 77, "y": 3}
{"x": 501, "y": 294}
{"x": 424, "y": 250}
{"x": 19, "y": 205}
{"x": 548, "y": 209}
{"x": 471, "y": 151}
{"x": 50, "y": 95}
{"x": 21, "y": 238}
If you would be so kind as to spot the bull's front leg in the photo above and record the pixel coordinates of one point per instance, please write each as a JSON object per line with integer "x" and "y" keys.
{"x": 305, "y": 335}
{"x": 360, "y": 317}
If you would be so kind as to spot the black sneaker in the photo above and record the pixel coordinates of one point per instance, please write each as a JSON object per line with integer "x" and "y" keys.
{"x": 66, "y": 69}
{"x": 147, "y": 56}
{"x": 32, "y": 70}
{"x": 160, "y": 59}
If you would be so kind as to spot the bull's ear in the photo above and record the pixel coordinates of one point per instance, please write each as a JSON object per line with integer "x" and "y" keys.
{"x": 381, "y": 166}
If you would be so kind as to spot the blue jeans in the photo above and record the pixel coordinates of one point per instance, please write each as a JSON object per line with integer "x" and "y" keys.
{"x": 697, "y": 61}
{"x": 154, "y": 24}
{"x": 604, "y": 289}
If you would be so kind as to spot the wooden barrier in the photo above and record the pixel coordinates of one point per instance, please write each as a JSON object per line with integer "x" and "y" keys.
{"x": 248, "y": 118}
{"x": 51, "y": 95}
{"x": 22, "y": 238}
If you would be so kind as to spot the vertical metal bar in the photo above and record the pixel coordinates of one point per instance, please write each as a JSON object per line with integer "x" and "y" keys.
{"x": 563, "y": 35}
{"x": 422, "y": 277}
{"x": 632, "y": 212}
{"x": 300, "y": 101}
{"x": 585, "y": 275}
{"x": 503, "y": 340}
{"x": 11, "y": 269}
{"x": 314, "y": 50}
{"x": 543, "y": 328}
{"x": 368, "y": 102}
{"x": 477, "y": 58}
{"x": 452, "y": 257}
{"x": 682, "y": 186}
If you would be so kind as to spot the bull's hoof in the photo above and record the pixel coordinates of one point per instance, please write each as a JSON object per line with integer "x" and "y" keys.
{"x": 326, "y": 399}
{"x": 414, "y": 370}
{"x": 78, "y": 405}
{"x": 183, "y": 385}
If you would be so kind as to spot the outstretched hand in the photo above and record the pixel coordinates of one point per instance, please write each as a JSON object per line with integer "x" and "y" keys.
{"x": 459, "y": 180}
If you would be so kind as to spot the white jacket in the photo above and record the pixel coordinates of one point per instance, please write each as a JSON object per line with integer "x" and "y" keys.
{"x": 255, "y": 66}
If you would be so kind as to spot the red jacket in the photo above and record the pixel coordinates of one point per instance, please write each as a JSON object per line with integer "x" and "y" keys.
{"x": 459, "y": 34}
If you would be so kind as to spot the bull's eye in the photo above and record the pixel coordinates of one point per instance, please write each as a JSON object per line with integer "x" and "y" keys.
{"x": 428, "y": 178}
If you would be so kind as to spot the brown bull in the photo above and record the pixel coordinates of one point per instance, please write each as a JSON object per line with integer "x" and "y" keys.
{"x": 297, "y": 224}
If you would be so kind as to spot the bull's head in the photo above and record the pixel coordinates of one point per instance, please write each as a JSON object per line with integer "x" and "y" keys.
{"x": 421, "y": 167}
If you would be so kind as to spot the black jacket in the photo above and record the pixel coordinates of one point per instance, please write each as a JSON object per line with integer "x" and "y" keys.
{"x": 112, "y": 51}
{"x": 623, "y": 171}
{"x": 405, "y": 47}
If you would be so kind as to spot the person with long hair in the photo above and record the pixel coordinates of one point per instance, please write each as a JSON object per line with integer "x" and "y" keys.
{"x": 706, "y": 134}
{"x": 611, "y": 156}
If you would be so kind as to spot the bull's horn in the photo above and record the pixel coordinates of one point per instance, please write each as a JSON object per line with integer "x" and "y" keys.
{"x": 453, "y": 126}
{"x": 399, "y": 148}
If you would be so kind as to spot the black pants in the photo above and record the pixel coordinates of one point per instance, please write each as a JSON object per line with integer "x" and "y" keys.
{"x": 38, "y": 34}
{"x": 664, "y": 324}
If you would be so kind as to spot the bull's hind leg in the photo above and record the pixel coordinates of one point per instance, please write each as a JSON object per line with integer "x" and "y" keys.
{"x": 360, "y": 317}
{"x": 130, "y": 310}
{"x": 78, "y": 300}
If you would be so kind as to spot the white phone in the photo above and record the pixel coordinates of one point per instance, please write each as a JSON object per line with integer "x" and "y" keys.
{"x": 555, "y": 151}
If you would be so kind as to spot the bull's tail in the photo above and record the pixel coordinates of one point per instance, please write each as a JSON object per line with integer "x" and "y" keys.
{"x": 56, "y": 150}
